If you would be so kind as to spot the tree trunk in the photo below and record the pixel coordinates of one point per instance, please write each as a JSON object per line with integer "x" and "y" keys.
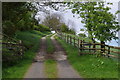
{"x": 93, "y": 42}
{"x": 103, "y": 46}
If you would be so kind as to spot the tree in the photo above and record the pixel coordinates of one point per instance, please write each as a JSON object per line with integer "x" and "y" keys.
{"x": 64, "y": 28}
{"x": 19, "y": 15}
{"x": 100, "y": 23}
{"x": 53, "y": 22}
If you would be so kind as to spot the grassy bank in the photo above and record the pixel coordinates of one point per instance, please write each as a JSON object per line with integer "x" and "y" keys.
{"x": 50, "y": 63}
{"x": 31, "y": 40}
{"x": 90, "y": 66}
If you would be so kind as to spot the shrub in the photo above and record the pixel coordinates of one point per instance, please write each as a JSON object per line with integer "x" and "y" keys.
{"x": 65, "y": 29}
{"x": 9, "y": 28}
{"x": 41, "y": 28}
{"x": 82, "y": 35}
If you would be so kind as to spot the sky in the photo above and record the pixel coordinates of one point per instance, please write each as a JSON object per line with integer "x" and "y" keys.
{"x": 75, "y": 22}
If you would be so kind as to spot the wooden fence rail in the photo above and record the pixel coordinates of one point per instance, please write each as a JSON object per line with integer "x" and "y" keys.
{"x": 16, "y": 47}
{"x": 110, "y": 51}
{"x": 13, "y": 45}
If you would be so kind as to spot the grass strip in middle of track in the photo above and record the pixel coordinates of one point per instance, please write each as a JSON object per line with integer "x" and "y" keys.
{"x": 50, "y": 63}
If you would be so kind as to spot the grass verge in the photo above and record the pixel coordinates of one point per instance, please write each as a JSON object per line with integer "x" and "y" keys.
{"x": 90, "y": 66}
{"x": 51, "y": 68}
{"x": 50, "y": 63}
{"x": 31, "y": 40}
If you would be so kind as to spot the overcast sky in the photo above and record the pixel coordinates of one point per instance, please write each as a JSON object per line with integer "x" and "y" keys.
{"x": 75, "y": 22}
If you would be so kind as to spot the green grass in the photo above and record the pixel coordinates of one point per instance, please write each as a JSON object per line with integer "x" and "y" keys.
{"x": 90, "y": 66}
{"x": 51, "y": 68}
{"x": 50, "y": 48}
{"x": 31, "y": 39}
{"x": 50, "y": 64}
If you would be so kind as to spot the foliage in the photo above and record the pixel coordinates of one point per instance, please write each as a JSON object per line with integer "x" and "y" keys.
{"x": 9, "y": 28}
{"x": 65, "y": 29}
{"x": 41, "y": 28}
{"x": 52, "y": 22}
{"x": 17, "y": 14}
{"x": 82, "y": 30}
{"x": 82, "y": 35}
{"x": 100, "y": 23}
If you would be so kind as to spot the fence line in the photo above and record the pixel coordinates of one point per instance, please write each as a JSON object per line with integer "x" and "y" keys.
{"x": 13, "y": 45}
{"x": 82, "y": 45}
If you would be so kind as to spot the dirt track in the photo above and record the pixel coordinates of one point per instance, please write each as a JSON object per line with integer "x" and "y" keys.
{"x": 37, "y": 68}
{"x": 64, "y": 68}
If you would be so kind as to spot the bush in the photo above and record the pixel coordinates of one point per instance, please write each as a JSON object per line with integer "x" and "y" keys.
{"x": 82, "y": 35}
{"x": 41, "y": 28}
{"x": 9, "y": 28}
{"x": 9, "y": 57}
{"x": 65, "y": 29}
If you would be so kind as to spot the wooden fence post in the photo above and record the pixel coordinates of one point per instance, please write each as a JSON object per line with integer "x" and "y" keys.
{"x": 20, "y": 46}
{"x": 74, "y": 41}
{"x": 94, "y": 48}
{"x": 89, "y": 47}
{"x": 108, "y": 50}
{"x": 70, "y": 39}
{"x": 78, "y": 43}
{"x": 103, "y": 47}
{"x": 83, "y": 43}
{"x": 67, "y": 38}
{"x": 63, "y": 36}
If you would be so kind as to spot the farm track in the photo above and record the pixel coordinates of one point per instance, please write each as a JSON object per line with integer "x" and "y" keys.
{"x": 65, "y": 70}
{"x": 37, "y": 68}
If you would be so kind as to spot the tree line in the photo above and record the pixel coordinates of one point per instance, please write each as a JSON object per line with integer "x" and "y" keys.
{"x": 19, "y": 16}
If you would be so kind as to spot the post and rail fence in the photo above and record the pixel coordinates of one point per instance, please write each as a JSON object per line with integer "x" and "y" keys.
{"x": 109, "y": 51}
{"x": 13, "y": 45}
